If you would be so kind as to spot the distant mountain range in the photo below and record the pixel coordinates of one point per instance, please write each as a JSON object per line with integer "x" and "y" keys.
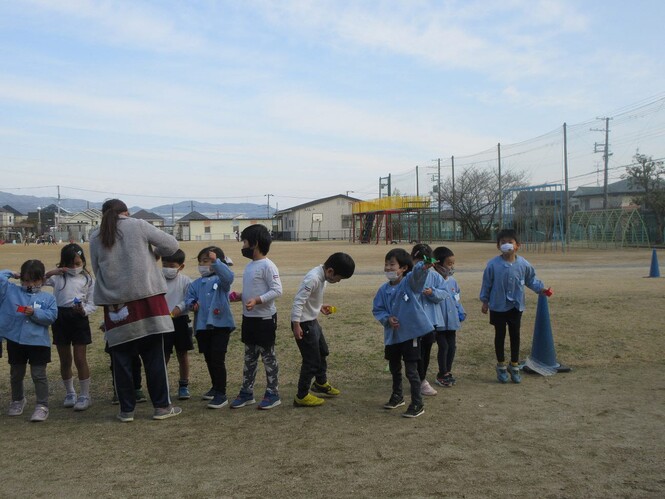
{"x": 25, "y": 204}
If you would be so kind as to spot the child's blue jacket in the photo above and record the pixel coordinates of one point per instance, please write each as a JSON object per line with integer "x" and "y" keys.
{"x": 451, "y": 307}
{"x": 432, "y": 304}
{"x": 212, "y": 295}
{"x": 503, "y": 284}
{"x": 18, "y": 327}
{"x": 403, "y": 301}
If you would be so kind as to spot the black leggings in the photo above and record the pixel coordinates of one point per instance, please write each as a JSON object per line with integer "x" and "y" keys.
{"x": 447, "y": 342}
{"x": 500, "y": 320}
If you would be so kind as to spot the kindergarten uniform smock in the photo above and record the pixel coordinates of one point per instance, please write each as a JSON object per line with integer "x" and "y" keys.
{"x": 16, "y": 326}
{"x": 451, "y": 307}
{"x": 403, "y": 301}
{"x": 503, "y": 283}
{"x": 212, "y": 294}
{"x": 432, "y": 303}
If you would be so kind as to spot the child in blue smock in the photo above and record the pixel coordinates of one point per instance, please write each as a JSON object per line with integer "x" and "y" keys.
{"x": 452, "y": 313}
{"x": 502, "y": 294}
{"x": 398, "y": 307}
{"x": 25, "y": 316}
{"x": 208, "y": 297}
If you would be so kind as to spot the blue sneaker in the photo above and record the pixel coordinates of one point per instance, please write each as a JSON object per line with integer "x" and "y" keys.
{"x": 501, "y": 373}
{"x": 183, "y": 393}
{"x": 243, "y": 399}
{"x": 515, "y": 375}
{"x": 218, "y": 401}
{"x": 270, "y": 400}
{"x": 209, "y": 395}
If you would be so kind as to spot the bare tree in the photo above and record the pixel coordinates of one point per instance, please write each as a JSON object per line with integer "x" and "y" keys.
{"x": 646, "y": 175}
{"x": 476, "y": 200}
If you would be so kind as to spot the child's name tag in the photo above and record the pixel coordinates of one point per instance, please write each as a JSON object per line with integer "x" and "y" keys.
{"x": 405, "y": 297}
{"x": 36, "y": 305}
{"x": 456, "y": 296}
{"x": 214, "y": 286}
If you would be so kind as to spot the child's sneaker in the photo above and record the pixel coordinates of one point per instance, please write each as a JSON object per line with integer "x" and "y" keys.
{"x": 243, "y": 399}
{"x": 40, "y": 413}
{"x": 166, "y": 412}
{"x": 270, "y": 400}
{"x": 209, "y": 395}
{"x": 82, "y": 403}
{"x": 183, "y": 393}
{"x": 449, "y": 379}
{"x": 16, "y": 407}
{"x": 515, "y": 375}
{"x": 426, "y": 389}
{"x": 394, "y": 402}
{"x": 70, "y": 400}
{"x": 325, "y": 389}
{"x": 414, "y": 411}
{"x": 125, "y": 417}
{"x": 140, "y": 396}
{"x": 501, "y": 373}
{"x": 218, "y": 401}
{"x": 114, "y": 400}
{"x": 308, "y": 400}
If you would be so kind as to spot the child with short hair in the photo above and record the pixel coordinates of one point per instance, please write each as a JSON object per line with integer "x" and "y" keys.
{"x": 208, "y": 297}
{"x": 261, "y": 286}
{"x": 431, "y": 297}
{"x": 73, "y": 288}
{"x": 502, "y": 294}
{"x": 452, "y": 314}
{"x": 26, "y": 312}
{"x": 177, "y": 285}
{"x": 307, "y": 331}
{"x": 398, "y": 308}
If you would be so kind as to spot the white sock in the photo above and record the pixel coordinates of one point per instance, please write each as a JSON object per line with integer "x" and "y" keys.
{"x": 85, "y": 387}
{"x": 69, "y": 385}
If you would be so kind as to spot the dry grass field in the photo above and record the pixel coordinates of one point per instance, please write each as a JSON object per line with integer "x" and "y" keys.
{"x": 594, "y": 432}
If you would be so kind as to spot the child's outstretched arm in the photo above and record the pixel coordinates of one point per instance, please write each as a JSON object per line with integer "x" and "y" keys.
{"x": 532, "y": 282}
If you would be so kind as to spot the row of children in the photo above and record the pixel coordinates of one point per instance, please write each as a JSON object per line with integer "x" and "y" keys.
{"x": 417, "y": 308}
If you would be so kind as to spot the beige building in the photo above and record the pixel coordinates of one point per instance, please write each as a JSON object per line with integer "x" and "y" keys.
{"x": 329, "y": 218}
{"x": 197, "y": 227}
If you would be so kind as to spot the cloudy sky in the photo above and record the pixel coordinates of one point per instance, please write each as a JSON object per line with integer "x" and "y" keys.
{"x": 229, "y": 101}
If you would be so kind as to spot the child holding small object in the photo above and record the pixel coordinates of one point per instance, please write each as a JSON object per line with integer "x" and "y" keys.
{"x": 502, "y": 294}
{"x": 73, "y": 288}
{"x": 177, "y": 285}
{"x": 208, "y": 297}
{"x": 452, "y": 313}
{"x": 307, "y": 331}
{"x": 26, "y": 312}
{"x": 398, "y": 308}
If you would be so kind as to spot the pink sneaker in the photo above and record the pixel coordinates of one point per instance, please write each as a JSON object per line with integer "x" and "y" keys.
{"x": 426, "y": 389}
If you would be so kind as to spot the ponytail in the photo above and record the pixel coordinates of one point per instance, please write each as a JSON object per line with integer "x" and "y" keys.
{"x": 108, "y": 229}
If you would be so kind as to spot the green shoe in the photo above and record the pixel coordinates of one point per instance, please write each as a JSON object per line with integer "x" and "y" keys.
{"x": 308, "y": 400}
{"x": 140, "y": 396}
{"x": 325, "y": 389}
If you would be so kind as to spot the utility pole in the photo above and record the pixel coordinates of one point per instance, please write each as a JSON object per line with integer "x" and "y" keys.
{"x": 606, "y": 157}
{"x": 498, "y": 148}
{"x": 566, "y": 246}
{"x": 57, "y": 222}
{"x": 268, "y": 207}
{"x": 438, "y": 190}
{"x": 452, "y": 164}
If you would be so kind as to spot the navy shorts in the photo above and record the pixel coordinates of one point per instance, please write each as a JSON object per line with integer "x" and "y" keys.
{"x": 71, "y": 328}
{"x": 260, "y": 331}
{"x": 18, "y": 354}
{"x": 180, "y": 338}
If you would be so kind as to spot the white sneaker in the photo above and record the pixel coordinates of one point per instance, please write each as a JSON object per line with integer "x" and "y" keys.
{"x": 82, "y": 403}
{"x": 426, "y": 389}
{"x": 40, "y": 414}
{"x": 70, "y": 400}
{"x": 16, "y": 407}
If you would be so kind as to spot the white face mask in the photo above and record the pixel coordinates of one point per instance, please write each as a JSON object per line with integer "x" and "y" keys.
{"x": 204, "y": 270}
{"x": 506, "y": 247}
{"x": 169, "y": 273}
{"x": 392, "y": 276}
{"x": 75, "y": 271}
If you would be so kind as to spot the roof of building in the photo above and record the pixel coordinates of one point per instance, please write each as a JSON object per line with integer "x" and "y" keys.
{"x": 12, "y": 210}
{"x": 147, "y": 215}
{"x": 193, "y": 215}
{"x": 315, "y": 202}
{"x": 615, "y": 188}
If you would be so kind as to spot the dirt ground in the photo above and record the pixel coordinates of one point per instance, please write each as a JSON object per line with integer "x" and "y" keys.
{"x": 594, "y": 432}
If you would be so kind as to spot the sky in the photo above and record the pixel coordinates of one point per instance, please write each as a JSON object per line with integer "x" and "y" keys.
{"x": 284, "y": 102}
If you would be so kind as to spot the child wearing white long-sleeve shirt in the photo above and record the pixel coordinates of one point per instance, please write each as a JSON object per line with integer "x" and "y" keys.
{"x": 73, "y": 288}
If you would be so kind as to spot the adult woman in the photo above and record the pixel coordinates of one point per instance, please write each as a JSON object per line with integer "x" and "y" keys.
{"x": 131, "y": 287}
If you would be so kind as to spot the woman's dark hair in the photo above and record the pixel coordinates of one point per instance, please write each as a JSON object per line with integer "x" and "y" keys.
{"x": 68, "y": 254}
{"x": 32, "y": 270}
{"x": 108, "y": 229}
{"x": 402, "y": 258}
{"x": 257, "y": 235}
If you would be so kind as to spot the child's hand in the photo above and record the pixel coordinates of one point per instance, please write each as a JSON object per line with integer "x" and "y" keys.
{"x": 547, "y": 292}
{"x": 194, "y": 306}
{"x": 175, "y": 312}
{"x": 212, "y": 255}
{"x": 297, "y": 330}
{"x": 16, "y": 275}
{"x": 427, "y": 291}
{"x": 233, "y": 296}
{"x": 78, "y": 308}
{"x": 251, "y": 303}
{"x": 394, "y": 322}
{"x": 29, "y": 311}
{"x": 485, "y": 308}
{"x": 461, "y": 316}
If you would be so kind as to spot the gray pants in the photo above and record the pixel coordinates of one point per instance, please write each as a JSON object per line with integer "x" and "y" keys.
{"x": 38, "y": 373}
{"x": 251, "y": 365}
